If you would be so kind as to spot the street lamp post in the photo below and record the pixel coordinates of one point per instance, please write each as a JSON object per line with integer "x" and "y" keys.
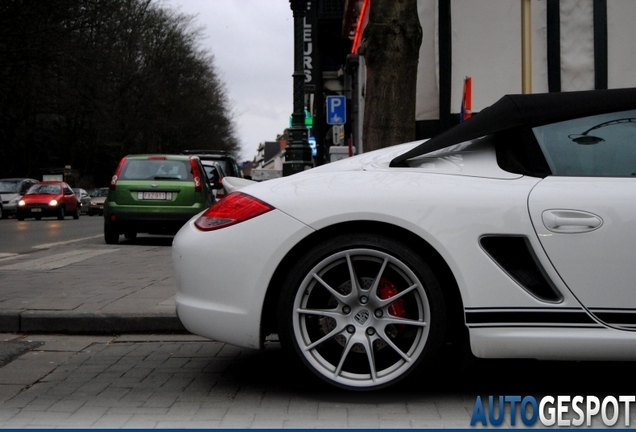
{"x": 298, "y": 152}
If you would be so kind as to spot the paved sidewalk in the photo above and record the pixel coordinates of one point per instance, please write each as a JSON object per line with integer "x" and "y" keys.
{"x": 90, "y": 288}
{"x": 182, "y": 381}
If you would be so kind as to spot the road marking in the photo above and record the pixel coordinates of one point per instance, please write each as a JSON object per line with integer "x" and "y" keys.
{"x": 58, "y": 260}
{"x": 50, "y": 245}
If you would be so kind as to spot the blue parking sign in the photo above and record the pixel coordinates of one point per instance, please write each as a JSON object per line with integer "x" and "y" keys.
{"x": 336, "y": 110}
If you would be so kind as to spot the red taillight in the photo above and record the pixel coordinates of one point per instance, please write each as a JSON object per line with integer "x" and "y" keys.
{"x": 198, "y": 187}
{"x": 235, "y": 208}
{"x": 113, "y": 181}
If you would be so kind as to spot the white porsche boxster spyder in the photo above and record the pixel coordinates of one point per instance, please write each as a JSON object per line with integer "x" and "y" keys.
{"x": 512, "y": 233}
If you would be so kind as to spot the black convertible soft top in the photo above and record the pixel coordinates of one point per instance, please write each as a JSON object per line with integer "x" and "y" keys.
{"x": 514, "y": 111}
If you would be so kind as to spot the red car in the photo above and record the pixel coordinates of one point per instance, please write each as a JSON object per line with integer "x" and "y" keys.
{"x": 49, "y": 198}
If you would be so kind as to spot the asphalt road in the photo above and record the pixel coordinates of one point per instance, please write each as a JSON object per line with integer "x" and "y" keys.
{"x": 25, "y": 236}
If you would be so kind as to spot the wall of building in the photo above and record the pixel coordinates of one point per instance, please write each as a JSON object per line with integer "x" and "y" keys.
{"x": 486, "y": 45}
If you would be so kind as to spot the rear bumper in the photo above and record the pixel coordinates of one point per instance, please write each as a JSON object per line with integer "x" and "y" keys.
{"x": 151, "y": 222}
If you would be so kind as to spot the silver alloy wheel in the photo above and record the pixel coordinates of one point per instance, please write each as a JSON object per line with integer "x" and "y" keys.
{"x": 361, "y": 318}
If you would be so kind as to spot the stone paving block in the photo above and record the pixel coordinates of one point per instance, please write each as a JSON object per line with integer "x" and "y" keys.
{"x": 275, "y": 403}
{"x": 111, "y": 421}
{"x": 67, "y": 406}
{"x": 31, "y": 367}
{"x": 266, "y": 422}
{"x": 8, "y": 391}
{"x": 232, "y": 421}
{"x": 160, "y": 400}
{"x": 143, "y": 421}
{"x": 300, "y": 422}
{"x": 205, "y": 414}
{"x": 183, "y": 409}
{"x": 16, "y": 423}
{"x": 49, "y": 419}
{"x": 41, "y": 403}
{"x": 303, "y": 407}
{"x": 330, "y": 412}
{"x": 214, "y": 424}
{"x": 138, "y": 410}
{"x": 8, "y": 413}
{"x": 368, "y": 421}
{"x": 86, "y": 416}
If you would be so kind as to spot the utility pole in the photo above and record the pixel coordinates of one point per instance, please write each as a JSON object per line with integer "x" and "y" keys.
{"x": 526, "y": 47}
{"x": 298, "y": 153}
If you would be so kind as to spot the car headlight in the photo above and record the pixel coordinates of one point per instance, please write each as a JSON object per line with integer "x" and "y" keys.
{"x": 21, "y": 203}
{"x": 15, "y": 200}
{"x": 53, "y": 203}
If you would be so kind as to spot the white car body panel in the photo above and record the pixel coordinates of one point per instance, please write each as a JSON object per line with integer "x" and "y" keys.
{"x": 553, "y": 343}
{"x": 231, "y": 310}
{"x": 592, "y": 247}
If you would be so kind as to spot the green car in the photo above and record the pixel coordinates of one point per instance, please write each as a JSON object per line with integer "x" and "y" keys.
{"x": 154, "y": 194}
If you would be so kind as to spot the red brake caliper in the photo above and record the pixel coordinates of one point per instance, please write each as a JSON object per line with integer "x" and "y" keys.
{"x": 386, "y": 290}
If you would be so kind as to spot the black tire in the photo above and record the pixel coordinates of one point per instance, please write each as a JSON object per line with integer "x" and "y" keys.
{"x": 130, "y": 235}
{"x": 61, "y": 214}
{"x": 77, "y": 213}
{"x": 362, "y": 341}
{"x": 111, "y": 236}
{"x": 2, "y": 216}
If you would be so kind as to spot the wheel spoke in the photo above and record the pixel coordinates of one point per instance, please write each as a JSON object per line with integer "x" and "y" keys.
{"x": 388, "y": 301}
{"x": 333, "y": 292}
{"x": 376, "y": 282}
{"x": 345, "y": 353}
{"x": 330, "y": 313}
{"x": 326, "y": 337}
{"x": 355, "y": 286}
{"x": 368, "y": 346}
{"x": 389, "y": 342}
{"x": 390, "y": 319}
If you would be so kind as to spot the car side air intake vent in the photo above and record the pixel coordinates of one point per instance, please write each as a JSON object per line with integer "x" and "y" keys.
{"x": 516, "y": 257}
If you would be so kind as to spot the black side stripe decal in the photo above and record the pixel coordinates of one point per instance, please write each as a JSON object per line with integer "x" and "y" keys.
{"x": 528, "y": 317}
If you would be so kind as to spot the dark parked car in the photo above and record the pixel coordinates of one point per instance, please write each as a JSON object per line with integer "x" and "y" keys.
{"x": 98, "y": 196}
{"x": 154, "y": 194}
{"x": 227, "y": 162}
{"x": 215, "y": 173}
{"x": 50, "y": 198}
{"x": 84, "y": 199}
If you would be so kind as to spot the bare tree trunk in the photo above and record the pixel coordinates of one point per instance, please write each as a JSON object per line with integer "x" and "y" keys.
{"x": 390, "y": 46}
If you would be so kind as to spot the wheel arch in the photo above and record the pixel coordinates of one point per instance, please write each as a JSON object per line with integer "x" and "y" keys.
{"x": 457, "y": 332}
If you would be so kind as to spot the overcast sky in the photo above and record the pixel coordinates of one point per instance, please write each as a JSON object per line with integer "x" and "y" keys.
{"x": 252, "y": 42}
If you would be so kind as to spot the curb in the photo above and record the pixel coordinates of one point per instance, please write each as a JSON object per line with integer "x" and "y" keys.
{"x": 43, "y": 322}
